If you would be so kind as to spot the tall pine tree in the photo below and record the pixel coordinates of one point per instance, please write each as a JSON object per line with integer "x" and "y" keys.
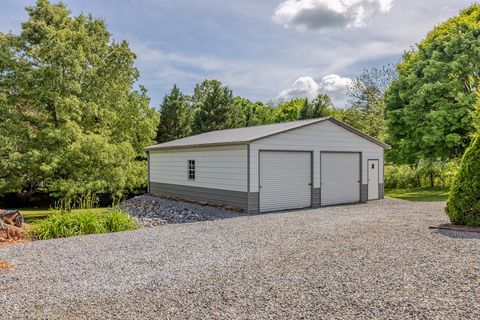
{"x": 174, "y": 116}
{"x": 212, "y": 104}
{"x": 320, "y": 107}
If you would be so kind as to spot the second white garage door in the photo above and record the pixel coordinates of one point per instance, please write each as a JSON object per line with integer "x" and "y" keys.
{"x": 340, "y": 178}
{"x": 285, "y": 180}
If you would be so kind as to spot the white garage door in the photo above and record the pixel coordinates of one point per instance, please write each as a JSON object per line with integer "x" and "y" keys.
{"x": 285, "y": 180}
{"x": 340, "y": 177}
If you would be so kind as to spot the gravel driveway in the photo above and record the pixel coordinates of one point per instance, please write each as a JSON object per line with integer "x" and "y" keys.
{"x": 375, "y": 260}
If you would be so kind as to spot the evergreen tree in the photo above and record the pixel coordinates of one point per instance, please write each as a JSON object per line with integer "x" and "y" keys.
{"x": 174, "y": 116}
{"x": 463, "y": 206}
{"x": 212, "y": 104}
{"x": 235, "y": 116}
{"x": 320, "y": 107}
{"x": 307, "y": 111}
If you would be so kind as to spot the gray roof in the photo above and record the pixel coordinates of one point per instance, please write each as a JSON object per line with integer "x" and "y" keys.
{"x": 249, "y": 134}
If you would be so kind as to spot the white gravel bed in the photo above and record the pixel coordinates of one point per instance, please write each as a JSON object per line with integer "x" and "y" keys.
{"x": 376, "y": 260}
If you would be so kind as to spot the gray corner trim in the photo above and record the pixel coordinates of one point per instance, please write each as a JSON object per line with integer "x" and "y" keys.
{"x": 381, "y": 191}
{"x": 312, "y": 180}
{"x": 316, "y": 197}
{"x": 258, "y": 178}
{"x": 248, "y": 177}
{"x": 237, "y": 199}
{"x": 364, "y": 193}
{"x": 361, "y": 175}
{"x": 148, "y": 172}
{"x": 248, "y": 167}
{"x": 253, "y": 202}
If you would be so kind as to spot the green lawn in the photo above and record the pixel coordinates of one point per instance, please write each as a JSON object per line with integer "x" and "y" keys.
{"x": 32, "y": 214}
{"x": 416, "y": 194}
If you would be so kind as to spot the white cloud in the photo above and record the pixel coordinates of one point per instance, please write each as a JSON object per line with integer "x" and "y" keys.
{"x": 323, "y": 14}
{"x": 332, "y": 84}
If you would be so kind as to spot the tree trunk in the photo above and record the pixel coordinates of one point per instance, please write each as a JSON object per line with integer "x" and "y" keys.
{"x": 432, "y": 182}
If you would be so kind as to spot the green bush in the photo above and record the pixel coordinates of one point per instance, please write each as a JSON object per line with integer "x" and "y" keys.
{"x": 426, "y": 174}
{"x": 463, "y": 206}
{"x": 62, "y": 225}
{"x": 400, "y": 177}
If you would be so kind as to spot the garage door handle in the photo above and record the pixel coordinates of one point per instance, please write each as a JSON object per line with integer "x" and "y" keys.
{"x": 310, "y": 184}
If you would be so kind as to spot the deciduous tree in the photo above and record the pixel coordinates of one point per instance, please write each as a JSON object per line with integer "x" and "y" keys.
{"x": 429, "y": 107}
{"x": 71, "y": 120}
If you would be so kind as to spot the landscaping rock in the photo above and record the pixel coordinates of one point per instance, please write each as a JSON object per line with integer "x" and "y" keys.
{"x": 152, "y": 211}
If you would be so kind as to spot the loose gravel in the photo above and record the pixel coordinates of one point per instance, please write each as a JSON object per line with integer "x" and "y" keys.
{"x": 153, "y": 211}
{"x": 376, "y": 260}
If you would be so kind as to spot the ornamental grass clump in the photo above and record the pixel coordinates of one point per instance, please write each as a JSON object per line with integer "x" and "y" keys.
{"x": 63, "y": 225}
{"x": 463, "y": 206}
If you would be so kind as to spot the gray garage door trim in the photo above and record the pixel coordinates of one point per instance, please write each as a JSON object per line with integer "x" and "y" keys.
{"x": 360, "y": 176}
{"x": 310, "y": 183}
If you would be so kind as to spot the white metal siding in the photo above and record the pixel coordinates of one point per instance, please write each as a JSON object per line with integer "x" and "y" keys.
{"x": 340, "y": 178}
{"x": 323, "y": 136}
{"x": 285, "y": 180}
{"x": 215, "y": 167}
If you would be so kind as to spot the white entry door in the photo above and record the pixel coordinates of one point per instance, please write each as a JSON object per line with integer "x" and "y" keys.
{"x": 340, "y": 178}
{"x": 285, "y": 180}
{"x": 372, "y": 179}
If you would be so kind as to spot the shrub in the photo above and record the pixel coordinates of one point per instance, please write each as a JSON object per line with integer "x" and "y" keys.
{"x": 62, "y": 225}
{"x": 423, "y": 175}
{"x": 463, "y": 206}
{"x": 400, "y": 177}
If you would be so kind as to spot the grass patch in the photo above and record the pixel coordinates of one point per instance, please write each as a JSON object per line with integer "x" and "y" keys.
{"x": 81, "y": 222}
{"x": 420, "y": 195}
{"x": 32, "y": 215}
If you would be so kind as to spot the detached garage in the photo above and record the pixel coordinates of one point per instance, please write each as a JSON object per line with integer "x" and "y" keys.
{"x": 300, "y": 164}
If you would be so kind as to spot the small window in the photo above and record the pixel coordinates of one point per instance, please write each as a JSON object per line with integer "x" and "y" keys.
{"x": 373, "y": 166}
{"x": 191, "y": 170}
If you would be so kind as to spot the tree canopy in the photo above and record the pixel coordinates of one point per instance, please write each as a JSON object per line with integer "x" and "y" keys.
{"x": 71, "y": 121}
{"x": 429, "y": 107}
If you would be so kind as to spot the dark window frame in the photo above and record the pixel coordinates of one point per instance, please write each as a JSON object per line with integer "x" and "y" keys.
{"x": 191, "y": 170}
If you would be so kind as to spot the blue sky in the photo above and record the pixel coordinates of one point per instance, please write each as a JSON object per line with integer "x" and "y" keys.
{"x": 262, "y": 50}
